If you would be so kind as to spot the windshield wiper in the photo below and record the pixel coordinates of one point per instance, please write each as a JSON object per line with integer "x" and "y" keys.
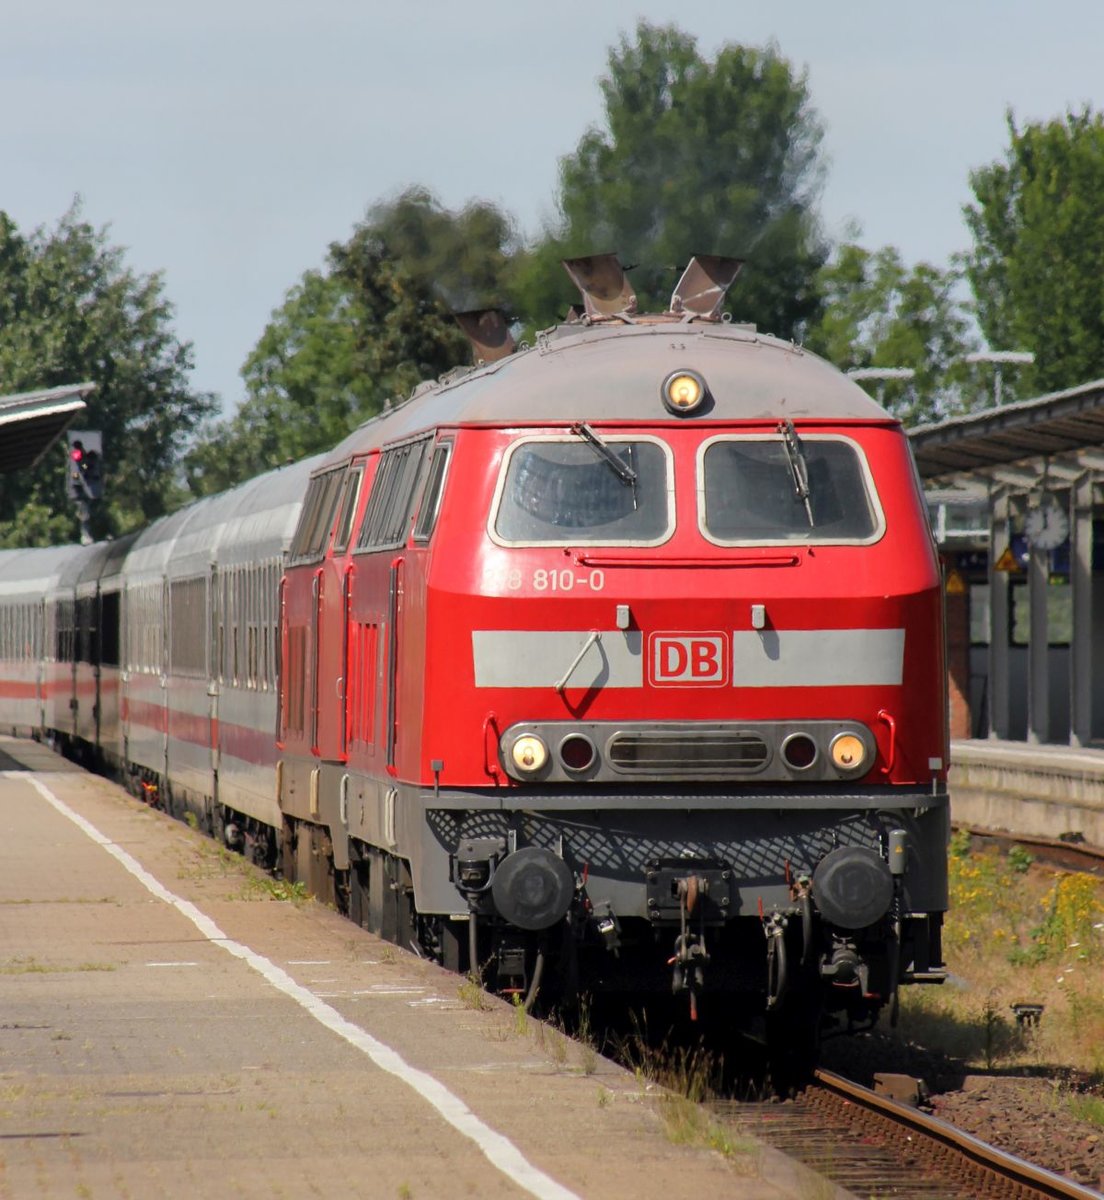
{"x": 799, "y": 468}
{"x": 616, "y": 464}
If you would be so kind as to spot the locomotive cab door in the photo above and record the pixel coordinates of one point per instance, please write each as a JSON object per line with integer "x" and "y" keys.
{"x": 317, "y": 590}
{"x": 343, "y": 684}
{"x": 394, "y": 641}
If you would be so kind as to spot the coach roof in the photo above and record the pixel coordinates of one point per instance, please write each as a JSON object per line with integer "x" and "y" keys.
{"x": 249, "y": 523}
{"x": 613, "y": 372}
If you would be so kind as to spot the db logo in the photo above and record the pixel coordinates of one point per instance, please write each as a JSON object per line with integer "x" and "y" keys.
{"x": 687, "y": 660}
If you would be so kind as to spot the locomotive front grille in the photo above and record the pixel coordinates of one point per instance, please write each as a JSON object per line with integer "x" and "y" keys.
{"x": 676, "y": 751}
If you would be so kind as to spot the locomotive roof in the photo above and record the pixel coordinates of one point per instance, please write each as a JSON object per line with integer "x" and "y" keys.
{"x": 613, "y": 372}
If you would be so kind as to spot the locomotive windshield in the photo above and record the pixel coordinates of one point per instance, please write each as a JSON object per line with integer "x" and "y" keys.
{"x": 750, "y": 494}
{"x": 560, "y": 491}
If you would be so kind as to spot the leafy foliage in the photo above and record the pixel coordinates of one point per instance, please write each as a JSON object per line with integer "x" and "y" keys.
{"x": 879, "y": 313}
{"x": 70, "y": 311}
{"x": 366, "y": 329}
{"x": 1038, "y": 256}
{"x": 697, "y": 156}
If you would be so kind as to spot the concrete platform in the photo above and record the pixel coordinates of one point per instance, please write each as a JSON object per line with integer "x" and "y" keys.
{"x": 1044, "y": 790}
{"x": 169, "y": 1028}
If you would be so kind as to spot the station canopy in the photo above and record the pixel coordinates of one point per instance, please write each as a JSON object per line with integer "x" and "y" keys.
{"x": 30, "y": 422}
{"x": 1064, "y": 428}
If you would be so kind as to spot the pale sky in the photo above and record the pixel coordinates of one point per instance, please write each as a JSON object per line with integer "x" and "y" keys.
{"x": 226, "y": 143}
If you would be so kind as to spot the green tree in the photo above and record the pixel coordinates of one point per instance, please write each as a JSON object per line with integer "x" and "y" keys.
{"x": 696, "y": 156}
{"x": 71, "y": 310}
{"x": 366, "y": 329}
{"x": 1037, "y": 264}
{"x": 879, "y": 313}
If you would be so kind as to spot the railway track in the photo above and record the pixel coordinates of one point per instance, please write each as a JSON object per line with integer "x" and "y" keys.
{"x": 874, "y": 1147}
{"x": 1071, "y": 856}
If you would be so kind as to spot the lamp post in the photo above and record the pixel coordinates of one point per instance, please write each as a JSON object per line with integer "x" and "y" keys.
{"x": 998, "y": 358}
{"x": 881, "y": 376}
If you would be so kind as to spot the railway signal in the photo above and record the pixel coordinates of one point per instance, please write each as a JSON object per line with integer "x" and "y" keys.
{"x": 84, "y": 477}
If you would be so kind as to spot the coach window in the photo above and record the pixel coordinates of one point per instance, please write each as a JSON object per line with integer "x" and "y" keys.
{"x": 434, "y": 489}
{"x": 558, "y": 491}
{"x": 188, "y": 626}
{"x": 749, "y": 493}
{"x": 64, "y": 616}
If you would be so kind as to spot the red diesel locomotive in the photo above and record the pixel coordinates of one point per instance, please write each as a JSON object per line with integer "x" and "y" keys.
{"x": 612, "y": 663}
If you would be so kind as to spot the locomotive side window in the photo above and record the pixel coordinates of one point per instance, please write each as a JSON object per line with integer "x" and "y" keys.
{"x": 387, "y": 516}
{"x": 316, "y": 519}
{"x": 349, "y": 496}
{"x": 750, "y": 495}
{"x": 560, "y": 491}
{"x": 434, "y": 489}
{"x": 307, "y": 517}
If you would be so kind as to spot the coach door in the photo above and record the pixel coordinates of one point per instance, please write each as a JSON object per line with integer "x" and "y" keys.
{"x": 163, "y": 650}
{"x": 95, "y": 655}
{"x": 38, "y": 650}
{"x": 214, "y": 666}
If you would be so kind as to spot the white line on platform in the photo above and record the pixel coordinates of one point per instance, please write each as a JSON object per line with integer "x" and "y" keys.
{"x": 497, "y": 1148}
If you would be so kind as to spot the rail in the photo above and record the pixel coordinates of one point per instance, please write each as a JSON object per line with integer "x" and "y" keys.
{"x": 1011, "y": 1170}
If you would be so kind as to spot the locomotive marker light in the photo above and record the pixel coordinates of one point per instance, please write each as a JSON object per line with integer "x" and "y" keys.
{"x": 848, "y": 753}
{"x": 577, "y": 752}
{"x": 684, "y": 392}
{"x": 529, "y": 753}
{"x": 799, "y": 751}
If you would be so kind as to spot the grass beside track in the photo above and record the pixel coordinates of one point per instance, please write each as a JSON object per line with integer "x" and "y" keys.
{"x": 1017, "y": 933}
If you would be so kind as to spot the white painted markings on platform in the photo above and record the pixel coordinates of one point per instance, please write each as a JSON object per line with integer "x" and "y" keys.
{"x": 496, "y": 1147}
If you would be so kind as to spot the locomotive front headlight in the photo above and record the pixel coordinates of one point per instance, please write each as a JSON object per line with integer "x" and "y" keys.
{"x": 683, "y": 392}
{"x": 848, "y": 752}
{"x": 529, "y": 753}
